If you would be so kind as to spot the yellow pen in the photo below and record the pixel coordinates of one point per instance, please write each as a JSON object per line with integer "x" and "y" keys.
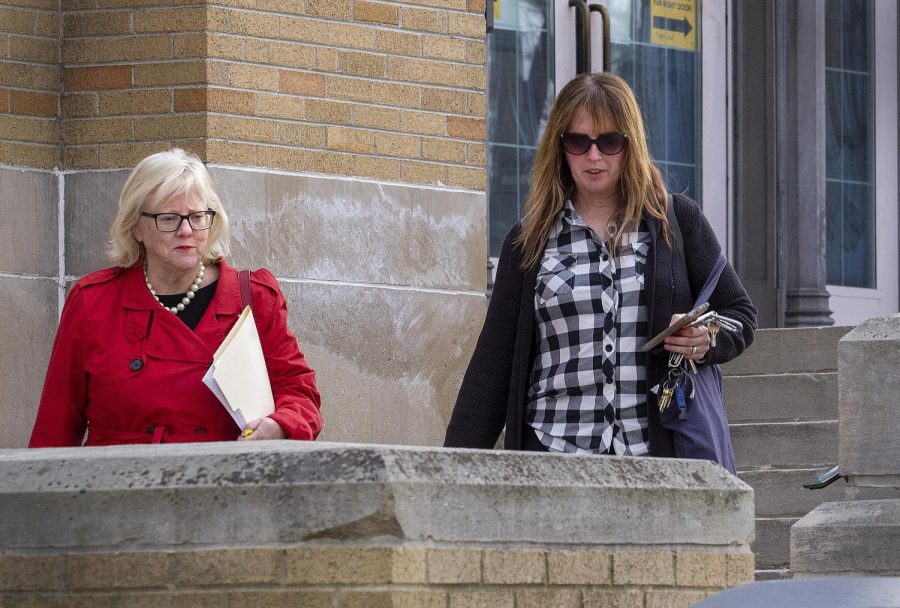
{"x": 247, "y": 433}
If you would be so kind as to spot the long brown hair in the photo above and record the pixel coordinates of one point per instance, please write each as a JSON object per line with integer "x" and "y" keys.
{"x": 608, "y": 100}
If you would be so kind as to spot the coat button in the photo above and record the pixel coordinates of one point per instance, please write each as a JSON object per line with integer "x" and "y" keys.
{"x": 136, "y": 365}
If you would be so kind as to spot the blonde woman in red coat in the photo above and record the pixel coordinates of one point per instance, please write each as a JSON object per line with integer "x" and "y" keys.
{"x": 135, "y": 340}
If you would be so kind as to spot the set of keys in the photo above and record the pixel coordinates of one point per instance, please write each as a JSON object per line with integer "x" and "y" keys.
{"x": 681, "y": 369}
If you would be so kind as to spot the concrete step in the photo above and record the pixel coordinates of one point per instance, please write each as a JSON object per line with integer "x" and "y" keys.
{"x": 781, "y": 397}
{"x": 780, "y": 492}
{"x": 806, "y": 349}
{"x": 772, "y": 546}
{"x": 785, "y": 445}
{"x": 773, "y": 575}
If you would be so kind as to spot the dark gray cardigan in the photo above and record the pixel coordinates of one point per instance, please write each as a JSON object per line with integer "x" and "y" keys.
{"x": 494, "y": 389}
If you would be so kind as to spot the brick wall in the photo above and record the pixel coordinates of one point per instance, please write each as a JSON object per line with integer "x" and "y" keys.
{"x": 373, "y": 577}
{"x": 385, "y": 90}
{"x": 29, "y": 82}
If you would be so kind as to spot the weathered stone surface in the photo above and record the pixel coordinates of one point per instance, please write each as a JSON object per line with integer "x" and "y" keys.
{"x": 772, "y": 546}
{"x": 338, "y": 229}
{"x": 28, "y": 206}
{"x": 780, "y": 351}
{"x": 203, "y": 494}
{"x": 781, "y": 397}
{"x": 869, "y": 428}
{"x": 27, "y": 326}
{"x": 780, "y": 493}
{"x": 91, "y": 204}
{"x": 785, "y": 444}
{"x": 861, "y": 536}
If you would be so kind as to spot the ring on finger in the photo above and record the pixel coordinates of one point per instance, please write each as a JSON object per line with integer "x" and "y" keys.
{"x": 693, "y": 350}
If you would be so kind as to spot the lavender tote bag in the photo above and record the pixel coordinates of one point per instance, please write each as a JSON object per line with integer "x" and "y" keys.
{"x": 704, "y": 435}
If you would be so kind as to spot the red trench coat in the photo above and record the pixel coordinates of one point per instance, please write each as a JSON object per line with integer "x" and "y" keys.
{"x": 129, "y": 371}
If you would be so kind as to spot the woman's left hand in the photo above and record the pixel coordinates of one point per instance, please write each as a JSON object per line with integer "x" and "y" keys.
{"x": 263, "y": 428}
{"x": 692, "y": 342}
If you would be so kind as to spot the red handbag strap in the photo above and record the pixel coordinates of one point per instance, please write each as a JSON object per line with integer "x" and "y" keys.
{"x": 246, "y": 295}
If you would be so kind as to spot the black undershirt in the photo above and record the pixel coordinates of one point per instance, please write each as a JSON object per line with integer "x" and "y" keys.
{"x": 193, "y": 312}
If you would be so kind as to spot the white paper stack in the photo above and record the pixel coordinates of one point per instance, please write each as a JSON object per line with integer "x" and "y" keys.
{"x": 238, "y": 375}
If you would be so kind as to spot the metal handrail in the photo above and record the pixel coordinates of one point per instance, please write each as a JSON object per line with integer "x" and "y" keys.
{"x": 582, "y": 36}
{"x": 604, "y": 15}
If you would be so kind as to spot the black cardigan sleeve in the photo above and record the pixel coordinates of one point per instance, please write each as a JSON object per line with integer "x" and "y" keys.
{"x": 730, "y": 299}
{"x": 480, "y": 410}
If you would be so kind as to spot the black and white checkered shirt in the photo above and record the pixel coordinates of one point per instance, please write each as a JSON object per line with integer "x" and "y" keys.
{"x": 588, "y": 389}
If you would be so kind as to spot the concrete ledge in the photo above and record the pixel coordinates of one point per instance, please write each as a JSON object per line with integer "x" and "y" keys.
{"x": 136, "y": 497}
{"x": 860, "y": 536}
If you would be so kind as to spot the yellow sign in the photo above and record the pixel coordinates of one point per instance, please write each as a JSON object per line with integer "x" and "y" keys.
{"x": 673, "y": 23}
{"x": 497, "y": 9}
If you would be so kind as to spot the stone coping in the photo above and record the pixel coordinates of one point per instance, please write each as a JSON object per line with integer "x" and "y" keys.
{"x": 131, "y": 497}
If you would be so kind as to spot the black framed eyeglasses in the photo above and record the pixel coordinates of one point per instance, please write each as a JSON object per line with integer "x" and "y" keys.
{"x": 171, "y": 222}
{"x": 608, "y": 143}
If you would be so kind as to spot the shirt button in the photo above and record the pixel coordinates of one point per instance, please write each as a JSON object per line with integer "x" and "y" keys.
{"x": 609, "y": 380}
{"x": 604, "y": 257}
{"x": 609, "y": 348}
{"x": 136, "y": 365}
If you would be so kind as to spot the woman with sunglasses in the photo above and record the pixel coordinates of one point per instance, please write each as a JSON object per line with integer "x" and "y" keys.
{"x": 586, "y": 278}
{"x": 135, "y": 341}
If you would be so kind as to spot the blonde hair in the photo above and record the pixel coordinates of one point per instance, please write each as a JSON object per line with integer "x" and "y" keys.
{"x": 160, "y": 177}
{"x": 608, "y": 100}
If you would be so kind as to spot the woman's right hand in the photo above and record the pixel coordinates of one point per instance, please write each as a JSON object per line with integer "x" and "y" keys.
{"x": 262, "y": 428}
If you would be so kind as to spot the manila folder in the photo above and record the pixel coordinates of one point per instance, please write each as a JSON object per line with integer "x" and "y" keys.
{"x": 240, "y": 370}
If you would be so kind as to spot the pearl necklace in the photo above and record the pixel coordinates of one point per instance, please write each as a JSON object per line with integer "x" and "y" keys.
{"x": 187, "y": 297}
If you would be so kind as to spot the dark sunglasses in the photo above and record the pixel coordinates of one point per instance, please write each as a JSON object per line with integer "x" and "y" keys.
{"x": 608, "y": 143}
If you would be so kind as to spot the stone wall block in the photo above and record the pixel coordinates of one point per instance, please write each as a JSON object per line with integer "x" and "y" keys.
{"x": 701, "y": 569}
{"x": 579, "y": 567}
{"x": 643, "y": 568}
{"x": 91, "y": 204}
{"x": 482, "y": 599}
{"x": 673, "y": 598}
{"x": 542, "y": 598}
{"x": 232, "y": 567}
{"x": 454, "y": 566}
{"x": 739, "y": 568}
{"x": 30, "y": 572}
{"x": 351, "y": 564}
{"x": 514, "y": 566}
{"x": 613, "y": 598}
{"x": 27, "y": 202}
{"x": 293, "y": 598}
{"x": 116, "y": 571}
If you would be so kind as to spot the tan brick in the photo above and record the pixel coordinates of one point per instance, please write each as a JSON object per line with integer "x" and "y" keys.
{"x": 475, "y": 104}
{"x": 301, "y": 83}
{"x": 196, "y": 146}
{"x": 345, "y": 139}
{"x": 34, "y": 104}
{"x": 451, "y": 566}
{"x": 234, "y": 566}
{"x": 134, "y": 48}
{"x": 362, "y": 64}
{"x": 4, "y": 101}
{"x": 79, "y": 51}
{"x": 349, "y": 564}
{"x": 398, "y": 43}
{"x": 326, "y": 59}
{"x": 541, "y": 598}
{"x": 218, "y": 72}
{"x": 303, "y": 30}
{"x": 442, "y": 149}
{"x": 475, "y": 6}
{"x": 508, "y": 566}
{"x": 377, "y": 12}
{"x": 241, "y": 128}
{"x": 277, "y": 6}
{"x": 376, "y": 167}
{"x": 30, "y": 155}
{"x": 282, "y": 106}
{"x": 100, "y": 78}
{"x": 192, "y": 45}
{"x": 129, "y": 154}
{"x": 155, "y": 101}
{"x": 476, "y": 52}
{"x": 32, "y": 76}
{"x": 308, "y": 136}
{"x": 470, "y": 178}
{"x": 170, "y": 127}
{"x": 739, "y": 568}
{"x": 423, "y": 122}
{"x": 218, "y": 45}
{"x": 700, "y": 569}
{"x": 97, "y": 130}
{"x": 16, "y": 20}
{"x": 28, "y": 48}
{"x": 467, "y": 25}
{"x": 398, "y": 95}
{"x": 116, "y": 570}
{"x": 200, "y": 599}
{"x": 25, "y": 572}
{"x": 445, "y": 4}
{"x": 232, "y": 152}
{"x": 393, "y": 599}
{"x": 289, "y": 159}
{"x": 376, "y": 117}
{"x": 466, "y": 128}
{"x": 612, "y": 598}
{"x": 47, "y": 5}
{"x": 29, "y": 129}
{"x": 350, "y": 35}
{"x": 482, "y": 599}
{"x": 170, "y": 19}
{"x": 215, "y": 100}
{"x": 643, "y": 568}
{"x": 332, "y": 9}
{"x": 424, "y": 19}
{"x": 247, "y": 23}
{"x": 46, "y": 24}
{"x": 444, "y": 47}
{"x": 100, "y": 23}
{"x": 436, "y": 72}
{"x": 359, "y": 89}
{"x": 292, "y": 54}
{"x": 476, "y": 154}
{"x": 443, "y": 100}
{"x": 673, "y": 598}
{"x": 279, "y": 599}
{"x": 589, "y": 567}
{"x": 175, "y": 72}
{"x": 81, "y": 157}
{"x": 328, "y": 111}
{"x": 253, "y": 77}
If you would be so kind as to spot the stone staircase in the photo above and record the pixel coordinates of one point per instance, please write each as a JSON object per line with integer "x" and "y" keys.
{"x": 781, "y": 397}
